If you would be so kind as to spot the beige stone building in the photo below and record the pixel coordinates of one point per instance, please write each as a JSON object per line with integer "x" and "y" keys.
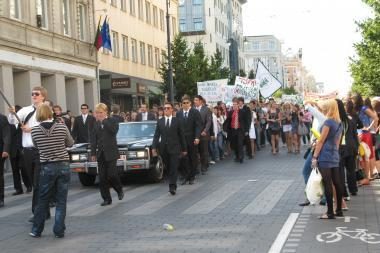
{"x": 48, "y": 43}
{"x": 129, "y": 74}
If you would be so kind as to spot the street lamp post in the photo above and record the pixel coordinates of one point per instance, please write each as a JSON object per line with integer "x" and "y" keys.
{"x": 170, "y": 67}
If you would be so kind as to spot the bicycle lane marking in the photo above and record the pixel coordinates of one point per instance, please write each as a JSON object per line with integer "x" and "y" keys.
{"x": 358, "y": 233}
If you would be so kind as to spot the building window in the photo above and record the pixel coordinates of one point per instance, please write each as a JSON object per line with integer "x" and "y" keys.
{"x": 66, "y": 17}
{"x": 148, "y": 13}
{"x": 163, "y": 55}
{"x": 150, "y": 55}
{"x": 134, "y": 50}
{"x": 256, "y": 45}
{"x": 197, "y": 2}
{"x": 155, "y": 16}
{"x": 198, "y": 24}
{"x": 82, "y": 21}
{"x": 114, "y": 3}
{"x": 157, "y": 57}
{"x": 132, "y": 7}
{"x": 123, "y": 5}
{"x": 15, "y": 9}
{"x": 140, "y": 9}
{"x": 174, "y": 26}
{"x": 125, "y": 48}
{"x": 162, "y": 22}
{"x": 182, "y": 25}
{"x": 271, "y": 44}
{"x": 115, "y": 44}
{"x": 142, "y": 53}
{"x": 43, "y": 11}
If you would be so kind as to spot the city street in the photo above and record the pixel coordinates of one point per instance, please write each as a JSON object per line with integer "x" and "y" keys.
{"x": 249, "y": 207}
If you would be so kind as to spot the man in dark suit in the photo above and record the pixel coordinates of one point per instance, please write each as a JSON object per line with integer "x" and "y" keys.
{"x": 83, "y": 126}
{"x": 236, "y": 123}
{"x": 169, "y": 139}
{"x": 144, "y": 114}
{"x": 206, "y": 120}
{"x": 247, "y": 119}
{"x": 116, "y": 113}
{"x": 191, "y": 120}
{"x": 5, "y": 140}
{"x": 104, "y": 150}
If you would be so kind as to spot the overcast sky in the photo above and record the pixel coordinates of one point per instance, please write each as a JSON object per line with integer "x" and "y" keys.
{"x": 324, "y": 29}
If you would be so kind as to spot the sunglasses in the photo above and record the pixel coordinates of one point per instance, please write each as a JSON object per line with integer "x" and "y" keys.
{"x": 83, "y": 108}
{"x": 167, "y": 108}
{"x": 185, "y": 103}
{"x": 36, "y": 94}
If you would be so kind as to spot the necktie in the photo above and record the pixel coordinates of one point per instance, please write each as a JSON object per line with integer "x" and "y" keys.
{"x": 185, "y": 115}
{"x": 167, "y": 123}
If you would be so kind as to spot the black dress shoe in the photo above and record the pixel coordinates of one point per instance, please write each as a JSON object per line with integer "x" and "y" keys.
{"x": 1, "y": 204}
{"x": 59, "y": 235}
{"x": 120, "y": 195}
{"x": 172, "y": 189}
{"x": 17, "y": 193}
{"x": 306, "y": 203}
{"x": 106, "y": 203}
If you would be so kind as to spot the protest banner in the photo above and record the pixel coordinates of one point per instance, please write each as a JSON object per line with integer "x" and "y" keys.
{"x": 246, "y": 88}
{"x": 293, "y": 99}
{"x": 268, "y": 84}
{"x": 213, "y": 91}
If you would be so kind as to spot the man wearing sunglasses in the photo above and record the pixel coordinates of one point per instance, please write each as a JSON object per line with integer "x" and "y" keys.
{"x": 83, "y": 125}
{"x": 169, "y": 139}
{"x": 31, "y": 157}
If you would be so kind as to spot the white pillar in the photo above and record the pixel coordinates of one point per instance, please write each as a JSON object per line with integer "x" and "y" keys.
{"x": 6, "y": 85}
{"x": 24, "y": 83}
{"x": 91, "y": 93}
{"x": 55, "y": 85}
{"x": 74, "y": 94}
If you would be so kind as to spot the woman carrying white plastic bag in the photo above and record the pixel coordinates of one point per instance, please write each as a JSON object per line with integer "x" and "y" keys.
{"x": 314, "y": 187}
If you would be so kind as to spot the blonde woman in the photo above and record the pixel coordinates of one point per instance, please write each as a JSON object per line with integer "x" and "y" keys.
{"x": 326, "y": 157}
{"x": 287, "y": 124}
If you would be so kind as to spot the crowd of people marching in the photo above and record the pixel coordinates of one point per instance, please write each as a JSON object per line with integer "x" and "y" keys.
{"x": 342, "y": 136}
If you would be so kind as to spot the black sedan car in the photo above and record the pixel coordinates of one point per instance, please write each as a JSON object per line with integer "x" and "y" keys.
{"x": 134, "y": 140}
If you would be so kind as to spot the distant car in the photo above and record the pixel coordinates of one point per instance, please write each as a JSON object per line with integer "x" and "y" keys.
{"x": 134, "y": 140}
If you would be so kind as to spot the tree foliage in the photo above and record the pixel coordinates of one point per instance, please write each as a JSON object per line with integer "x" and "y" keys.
{"x": 191, "y": 66}
{"x": 365, "y": 68}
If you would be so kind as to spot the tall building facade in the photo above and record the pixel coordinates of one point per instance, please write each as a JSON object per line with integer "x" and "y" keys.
{"x": 217, "y": 24}
{"x": 48, "y": 43}
{"x": 267, "y": 49}
{"x": 129, "y": 73}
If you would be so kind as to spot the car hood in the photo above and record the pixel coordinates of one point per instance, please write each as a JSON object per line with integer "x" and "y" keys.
{"x": 133, "y": 143}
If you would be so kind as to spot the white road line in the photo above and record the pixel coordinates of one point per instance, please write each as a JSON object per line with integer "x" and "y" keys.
{"x": 162, "y": 201}
{"x": 128, "y": 195}
{"x": 268, "y": 198}
{"x": 213, "y": 200}
{"x": 284, "y": 233}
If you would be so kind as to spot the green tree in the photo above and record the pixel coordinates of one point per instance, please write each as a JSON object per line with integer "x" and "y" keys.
{"x": 251, "y": 74}
{"x": 216, "y": 69}
{"x": 242, "y": 73}
{"x": 365, "y": 68}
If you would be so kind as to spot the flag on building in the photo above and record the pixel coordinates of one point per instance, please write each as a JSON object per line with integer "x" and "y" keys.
{"x": 98, "y": 37}
{"x": 106, "y": 38}
{"x": 268, "y": 84}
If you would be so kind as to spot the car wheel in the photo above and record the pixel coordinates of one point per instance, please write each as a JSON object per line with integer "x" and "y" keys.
{"x": 156, "y": 173}
{"x": 86, "y": 179}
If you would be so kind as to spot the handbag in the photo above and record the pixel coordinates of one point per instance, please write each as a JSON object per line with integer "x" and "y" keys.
{"x": 302, "y": 129}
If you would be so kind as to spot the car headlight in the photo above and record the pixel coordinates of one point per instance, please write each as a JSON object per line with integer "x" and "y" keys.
{"x": 75, "y": 157}
{"x": 83, "y": 157}
{"x": 141, "y": 154}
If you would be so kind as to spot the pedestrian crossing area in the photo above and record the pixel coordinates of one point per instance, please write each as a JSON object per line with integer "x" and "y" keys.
{"x": 153, "y": 198}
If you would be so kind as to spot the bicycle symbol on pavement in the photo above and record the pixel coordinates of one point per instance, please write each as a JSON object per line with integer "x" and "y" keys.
{"x": 361, "y": 234}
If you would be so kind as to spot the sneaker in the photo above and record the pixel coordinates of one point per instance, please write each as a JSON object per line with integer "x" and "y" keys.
{"x": 212, "y": 162}
{"x": 32, "y": 234}
{"x": 347, "y": 198}
{"x": 59, "y": 235}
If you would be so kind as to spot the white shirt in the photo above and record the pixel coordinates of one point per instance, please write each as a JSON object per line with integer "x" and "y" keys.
{"x": 144, "y": 116}
{"x": 215, "y": 125}
{"x": 199, "y": 108}
{"x": 84, "y": 117}
{"x": 186, "y": 113}
{"x": 170, "y": 120}
{"x": 22, "y": 113}
{"x": 319, "y": 118}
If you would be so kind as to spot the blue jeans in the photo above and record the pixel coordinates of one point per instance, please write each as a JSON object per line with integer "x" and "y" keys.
{"x": 54, "y": 178}
{"x": 219, "y": 145}
{"x": 211, "y": 149}
{"x": 306, "y": 171}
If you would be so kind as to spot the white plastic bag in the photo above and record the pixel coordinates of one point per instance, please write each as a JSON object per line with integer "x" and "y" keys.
{"x": 314, "y": 187}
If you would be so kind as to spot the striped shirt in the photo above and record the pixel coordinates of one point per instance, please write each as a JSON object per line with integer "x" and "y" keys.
{"x": 51, "y": 143}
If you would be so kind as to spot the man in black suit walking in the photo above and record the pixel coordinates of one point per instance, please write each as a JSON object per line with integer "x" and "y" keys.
{"x": 104, "y": 149}
{"x": 206, "y": 120}
{"x": 191, "y": 120}
{"x": 247, "y": 119}
{"x": 169, "y": 139}
{"x": 144, "y": 114}
{"x": 5, "y": 141}
{"x": 236, "y": 123}
{"x": 83, "y": 126}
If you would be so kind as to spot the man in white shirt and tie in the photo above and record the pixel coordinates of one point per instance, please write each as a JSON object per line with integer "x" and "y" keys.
{"x": 83, "y": 126}
{"x": 144, "y": 115}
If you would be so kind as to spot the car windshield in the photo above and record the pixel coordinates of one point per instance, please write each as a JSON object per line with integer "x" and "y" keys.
{"x": 136, "y": 130}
